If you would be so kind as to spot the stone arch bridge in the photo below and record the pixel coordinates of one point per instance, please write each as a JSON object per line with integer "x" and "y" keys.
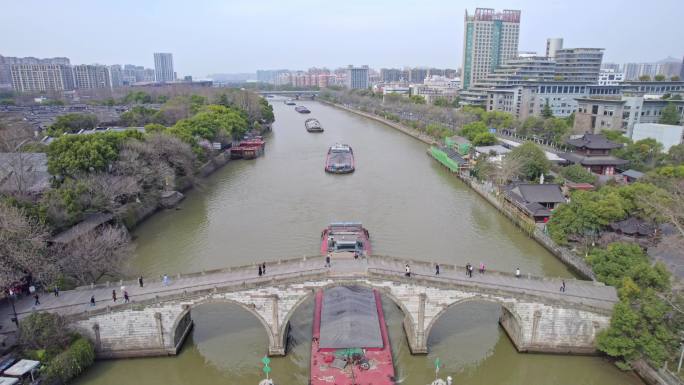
{"x": 535, "y": 314}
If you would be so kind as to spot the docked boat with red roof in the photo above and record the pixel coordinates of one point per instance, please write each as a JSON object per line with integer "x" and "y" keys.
{"x": 248, "y": 148}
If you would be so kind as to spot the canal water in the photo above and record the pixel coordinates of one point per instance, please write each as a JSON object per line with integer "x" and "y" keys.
{"x": 277, "y": 205}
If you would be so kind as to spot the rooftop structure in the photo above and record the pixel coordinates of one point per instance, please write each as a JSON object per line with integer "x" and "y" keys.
{"x": 593, "y": 152}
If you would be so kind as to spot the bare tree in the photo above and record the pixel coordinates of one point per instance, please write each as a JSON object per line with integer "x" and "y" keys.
{"x": 23, "y": 248}
{"x": 107, "y": 192}
{"x": 97, "y": 254}
{"x": 157, "y": 161}
{"x": 509, "y": 170}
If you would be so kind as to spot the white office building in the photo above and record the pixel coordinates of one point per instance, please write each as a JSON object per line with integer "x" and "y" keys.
{"x": 357, "y": 77}
{"x": 610, "y": 77}
{"x": 163, "y": 67}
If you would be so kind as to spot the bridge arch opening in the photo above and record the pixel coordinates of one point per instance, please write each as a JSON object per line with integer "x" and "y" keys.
{"x": 222, "y": 321}
{"x": 479, "y": 323}
{"x": 305, "y": 307}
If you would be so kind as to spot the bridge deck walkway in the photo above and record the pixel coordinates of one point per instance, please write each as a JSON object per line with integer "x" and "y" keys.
{"x": 78, "y": 300}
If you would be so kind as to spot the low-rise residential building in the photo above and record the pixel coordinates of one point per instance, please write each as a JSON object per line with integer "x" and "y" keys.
{"x": 436, "y": 87}
{"x": 593, "y": 152}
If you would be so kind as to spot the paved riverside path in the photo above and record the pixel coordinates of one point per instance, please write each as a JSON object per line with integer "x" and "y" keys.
{"x": 77, "y": 301}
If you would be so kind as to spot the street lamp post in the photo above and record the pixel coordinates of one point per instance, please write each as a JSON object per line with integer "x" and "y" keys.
{"x": 15, "y": 318}
{"x": 681, "y": 355}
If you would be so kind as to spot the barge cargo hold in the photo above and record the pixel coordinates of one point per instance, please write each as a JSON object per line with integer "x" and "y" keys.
{"x": 350, "y": 344}
{"x": 340, "y": 159}
{"x": 313, "y": 125}
{"x": 302, "y": 110}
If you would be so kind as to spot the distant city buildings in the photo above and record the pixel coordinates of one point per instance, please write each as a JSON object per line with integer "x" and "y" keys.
{"x": 88, "y": 76}
{"x": 667, "y": 67}
{"x": 41, "y": 77}
{"x": 490, "y": 39}
{"x": 610, "y": 77}
{"x": 553, "y": 45}
{"x": 357, "y": 77}
{"x": 163, "y": 67}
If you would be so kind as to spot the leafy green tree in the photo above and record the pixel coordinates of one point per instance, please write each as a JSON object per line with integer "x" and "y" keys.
{"x": 616, "y": 262}
{"x": 73, "y": 154}
{"x": 669, "y": 115}
{"x": 675, "y": 78}
{"x": 578, "y": 174}
{"x": 642, "y": 155}
{"x": 660, "y": 78}
{"x": 498, "y": 119}
{"x": 266, "y": 111}
{"x": 471, "y": 130}
{"x": 417, "y": 99}
{"x": 556, "y": 129}
{"x": 441, "y": 102}
{"x": 7, "y": 102}
{"x": 532, "y": 159}
{"x": 616, "y": 136}
{"x": 213, "y": 122}
{"x": 484, "y": 139}
{"x": 644, "y": 78}
{"x": 139, "y": 116}
{"x": 675, "y": 155}
{"x": 69, "y": 123}
{"x": 546, "y": 111}
{"x": 138, "y": 97}
{"x": 154, "y": 128}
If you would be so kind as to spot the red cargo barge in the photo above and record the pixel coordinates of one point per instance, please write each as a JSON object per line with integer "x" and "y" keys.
{"x": 248, "y": 148}
{"x": 345, "y": 239}
{"x": 350, "y": 344}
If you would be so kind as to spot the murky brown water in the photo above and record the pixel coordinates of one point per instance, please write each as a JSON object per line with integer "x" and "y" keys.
{"x": 277, "y": 205}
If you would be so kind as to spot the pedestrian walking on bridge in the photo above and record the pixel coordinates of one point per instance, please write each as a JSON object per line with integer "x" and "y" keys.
{"x": 517, "y": 272}
{"x": 140, "y": 281}
{"x": 126, "y": 298}
{"x": 436, "y": 268}
{"x": 263, "y": 267}
{"x": 327, "y": 261}
{"x": 260, "y": 272}
{"x": 56, "y": 291}
{"x": 165, "y": 280}
{"x": 92, "y": 300}
{"x": 113, "y": 295}
{"x": 562, "y": 288}
{"x": 408, "y": 271}
{"x": 37, "y": 299}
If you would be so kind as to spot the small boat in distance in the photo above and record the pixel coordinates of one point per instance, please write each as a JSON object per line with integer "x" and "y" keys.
{"x": 345, "y": 239}
{"x": 290, "y": 102}
{"x": 340, "y": 159}
{"x": 313, "y": 125}
{"x": 302, "y": 110}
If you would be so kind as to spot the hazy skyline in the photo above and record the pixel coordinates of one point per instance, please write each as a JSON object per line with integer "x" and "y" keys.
{"x": 242, "y": 36}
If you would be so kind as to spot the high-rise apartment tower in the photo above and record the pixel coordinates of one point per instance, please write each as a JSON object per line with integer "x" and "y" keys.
{"x": 490, "y": 39}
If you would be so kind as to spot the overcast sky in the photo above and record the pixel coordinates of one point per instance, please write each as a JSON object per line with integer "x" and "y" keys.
{"x": 228, "y": 36}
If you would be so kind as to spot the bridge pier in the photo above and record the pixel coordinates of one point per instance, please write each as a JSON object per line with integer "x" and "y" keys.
{"x": 275, "y": 345}
{"x": 416, "y": 333}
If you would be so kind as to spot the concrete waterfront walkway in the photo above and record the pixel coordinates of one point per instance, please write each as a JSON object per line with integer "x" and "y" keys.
{"x": 77, "y": 301}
